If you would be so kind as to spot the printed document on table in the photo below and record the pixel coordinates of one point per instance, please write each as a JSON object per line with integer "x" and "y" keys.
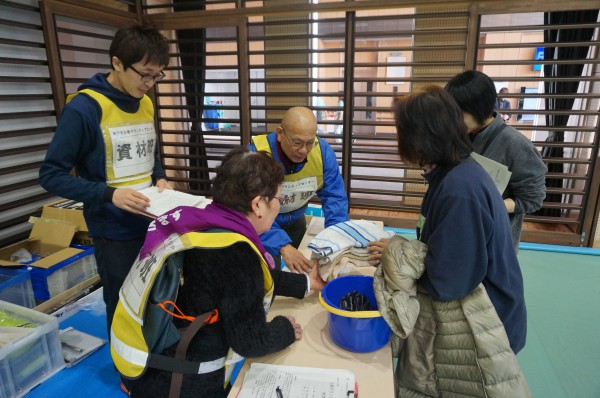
{"x": 168, "y": 199}
{"x": 273, "y": 381}
{"x": 77, "y": 345}
{"x": 499, "y": 172}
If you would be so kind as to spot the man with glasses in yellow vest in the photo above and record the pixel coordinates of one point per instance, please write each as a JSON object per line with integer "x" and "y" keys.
{"x": 311, "y": 168}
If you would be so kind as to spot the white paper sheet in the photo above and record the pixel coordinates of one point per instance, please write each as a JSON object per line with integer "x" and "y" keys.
{"x": 168, "y": 199}
{"x": 262, "y": 381}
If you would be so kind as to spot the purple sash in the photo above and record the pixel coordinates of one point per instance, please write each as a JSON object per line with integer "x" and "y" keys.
{"x": 184, "y": 219}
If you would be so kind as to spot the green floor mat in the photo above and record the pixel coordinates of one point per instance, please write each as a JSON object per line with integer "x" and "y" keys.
{"x": 562, "y": 356}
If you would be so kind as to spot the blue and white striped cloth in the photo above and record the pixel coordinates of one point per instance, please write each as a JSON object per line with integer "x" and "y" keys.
{"x": 338, "y": 247}
{"x": 346, "y": 235}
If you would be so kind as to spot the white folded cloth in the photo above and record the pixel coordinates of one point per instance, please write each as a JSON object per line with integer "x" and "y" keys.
{"x": 345, "y": 243}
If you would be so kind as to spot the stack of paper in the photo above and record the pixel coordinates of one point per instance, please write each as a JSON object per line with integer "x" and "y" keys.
{"x": 279, "y": 381}
{"x": 168, "y": 199}
{"x": 499, "y": 172}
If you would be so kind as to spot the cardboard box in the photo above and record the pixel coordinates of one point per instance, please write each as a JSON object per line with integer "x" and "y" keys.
{"x": 68, "y": 303}
{"x": 70, "y": 211}
{"x": 49, "y": 239}
{"x": 60, "y": 265}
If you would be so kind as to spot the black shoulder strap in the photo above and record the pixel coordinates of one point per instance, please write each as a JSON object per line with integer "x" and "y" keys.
{"x": 181, "y": 351}
{"x": 178, "y": 365}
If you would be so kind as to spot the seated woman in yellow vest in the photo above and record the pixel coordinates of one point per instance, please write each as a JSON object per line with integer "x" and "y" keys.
{"x": 225, "y": 269}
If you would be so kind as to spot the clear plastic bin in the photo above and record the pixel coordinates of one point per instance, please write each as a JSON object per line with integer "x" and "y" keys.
{"x": 15, "y": 287}
{"x": 49, "y": 282}
{"x": 30, "y": 356}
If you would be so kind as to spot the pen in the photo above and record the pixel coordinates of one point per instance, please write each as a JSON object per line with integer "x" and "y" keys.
{"x": 278, "y": 392}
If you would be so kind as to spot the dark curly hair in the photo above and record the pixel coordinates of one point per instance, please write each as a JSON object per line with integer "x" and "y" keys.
{"x": 243, "y": 175}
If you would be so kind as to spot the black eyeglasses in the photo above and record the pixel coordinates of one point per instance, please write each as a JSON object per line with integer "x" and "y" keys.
{"x": 298, "y": 143}
{"x": 148, "y": 77}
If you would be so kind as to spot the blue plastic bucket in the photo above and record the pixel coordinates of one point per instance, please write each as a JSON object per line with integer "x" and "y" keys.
{"x": 357, "y": 331}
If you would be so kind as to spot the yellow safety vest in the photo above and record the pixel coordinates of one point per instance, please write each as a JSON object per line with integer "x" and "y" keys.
{"x": 298, "y": 188}
{"x": 130, "y": 344}
{"x": 129, "y": 139}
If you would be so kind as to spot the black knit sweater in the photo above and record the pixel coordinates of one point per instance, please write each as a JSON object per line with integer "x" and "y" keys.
{"x": 230, "y": 280}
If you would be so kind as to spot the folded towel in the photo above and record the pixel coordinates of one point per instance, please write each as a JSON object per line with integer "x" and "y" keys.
{"x": 345, "y": 235}
{"x": 345, "y": 243}
{"x": 341, "y": 264}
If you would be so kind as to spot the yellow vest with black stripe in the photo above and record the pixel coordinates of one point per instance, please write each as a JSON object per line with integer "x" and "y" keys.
{"x": 129, "y": 139}
{"x": 130, "y": 347}
{"x": 298, "y": 188}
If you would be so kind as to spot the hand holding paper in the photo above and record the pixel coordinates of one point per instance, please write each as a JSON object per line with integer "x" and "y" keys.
{"x": 161, "y": 202}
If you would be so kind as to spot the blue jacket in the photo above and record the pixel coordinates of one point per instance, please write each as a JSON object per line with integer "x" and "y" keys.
{"x": 469, "y": 239}
{"x": 332, "y": 194}
{"x": 78, "y": 142}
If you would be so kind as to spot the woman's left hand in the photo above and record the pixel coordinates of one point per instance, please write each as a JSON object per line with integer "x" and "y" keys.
{"x": 375, "y": 250}
{"x": 296, "y": 326}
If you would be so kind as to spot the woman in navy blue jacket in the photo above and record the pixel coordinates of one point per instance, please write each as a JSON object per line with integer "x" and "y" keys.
{"x": 463, "y": 220}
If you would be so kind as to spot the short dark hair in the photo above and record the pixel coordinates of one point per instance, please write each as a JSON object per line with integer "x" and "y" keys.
{"x": 140, "y": 43}
{"x": 243, "y": 175}
{"x": 430, "y": 127}
{"x": 475, "y": 93}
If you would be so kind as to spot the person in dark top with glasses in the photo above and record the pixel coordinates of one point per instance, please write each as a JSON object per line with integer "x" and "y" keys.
{"x": 311, "y": 168}
{"x": 106, "y": 132}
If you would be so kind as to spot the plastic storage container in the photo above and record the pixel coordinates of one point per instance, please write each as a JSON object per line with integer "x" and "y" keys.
{"x": 15, "y": 287}
{"x": 49, "y": 282}
{"x": 30, "y": 356}
{"x": 357, "y": 331}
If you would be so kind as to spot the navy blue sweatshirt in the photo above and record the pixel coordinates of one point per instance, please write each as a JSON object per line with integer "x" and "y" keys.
{"x": 469, "y": 240}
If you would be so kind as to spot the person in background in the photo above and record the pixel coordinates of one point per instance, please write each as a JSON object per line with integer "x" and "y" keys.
{"x": 465, "y": 265}
{"x": 476, "y": 95}
{"x": 503, "y": 104}
{"x": 310, "y": 168}
{"x": 236, "y": 278}
{"x": 106, "y": 132}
